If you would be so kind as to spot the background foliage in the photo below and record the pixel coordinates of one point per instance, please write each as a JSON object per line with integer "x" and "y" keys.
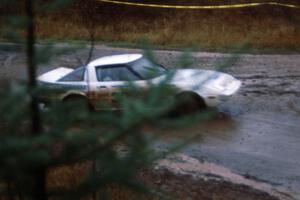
{"x": 265, "y": 27}
{"x": 67, "y": 151}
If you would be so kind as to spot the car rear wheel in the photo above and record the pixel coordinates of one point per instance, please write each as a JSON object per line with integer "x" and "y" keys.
{"x": 76, "y": 102}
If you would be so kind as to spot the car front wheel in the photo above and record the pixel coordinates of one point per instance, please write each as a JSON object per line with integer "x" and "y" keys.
{"x": 188, "y": 103}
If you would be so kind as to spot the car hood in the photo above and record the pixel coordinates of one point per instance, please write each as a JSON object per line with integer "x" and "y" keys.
{"x": 54, "y": 75}
{"x": 210, "y": 81}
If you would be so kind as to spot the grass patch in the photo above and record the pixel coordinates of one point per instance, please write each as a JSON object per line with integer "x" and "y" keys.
{"x": 265, "y": 27}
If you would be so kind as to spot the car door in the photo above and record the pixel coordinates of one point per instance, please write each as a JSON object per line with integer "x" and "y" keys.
{"x": 111, "y": 80}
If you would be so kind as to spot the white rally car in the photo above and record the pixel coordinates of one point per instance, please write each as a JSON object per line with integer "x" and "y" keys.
{"x": 102, "y": 78}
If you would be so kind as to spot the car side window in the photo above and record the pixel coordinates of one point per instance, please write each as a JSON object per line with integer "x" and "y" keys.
{"x": 115, "y": 73}
{"x": 75, "y": 76}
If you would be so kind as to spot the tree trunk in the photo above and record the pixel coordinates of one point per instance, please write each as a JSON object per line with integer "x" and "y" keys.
{"x": 39, "y": 175}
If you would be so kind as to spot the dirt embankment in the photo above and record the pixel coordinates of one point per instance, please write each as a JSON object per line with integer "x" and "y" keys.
{"x": 186, "y": 178}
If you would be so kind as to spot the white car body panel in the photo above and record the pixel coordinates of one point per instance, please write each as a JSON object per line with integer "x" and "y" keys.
{"x": 210, "y": 85}
{"x": 54, "y": 75}
{"x": 116, "y": 59}
{"x": 213, "y": 87}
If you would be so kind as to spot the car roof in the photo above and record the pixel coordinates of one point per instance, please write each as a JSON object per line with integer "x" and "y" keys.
{"x": 115, "y": 59}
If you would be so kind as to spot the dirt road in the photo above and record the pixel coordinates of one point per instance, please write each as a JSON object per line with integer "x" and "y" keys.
{"x": 256, "y": 135}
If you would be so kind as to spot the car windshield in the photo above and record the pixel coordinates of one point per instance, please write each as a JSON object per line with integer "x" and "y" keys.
{"x": 147, "y": 69}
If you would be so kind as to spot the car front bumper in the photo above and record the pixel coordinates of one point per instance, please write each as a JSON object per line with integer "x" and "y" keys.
{"x": 231, "y": 89}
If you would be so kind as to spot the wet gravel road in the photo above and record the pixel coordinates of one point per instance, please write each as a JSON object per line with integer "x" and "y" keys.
{"x": 257, "y": 133}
